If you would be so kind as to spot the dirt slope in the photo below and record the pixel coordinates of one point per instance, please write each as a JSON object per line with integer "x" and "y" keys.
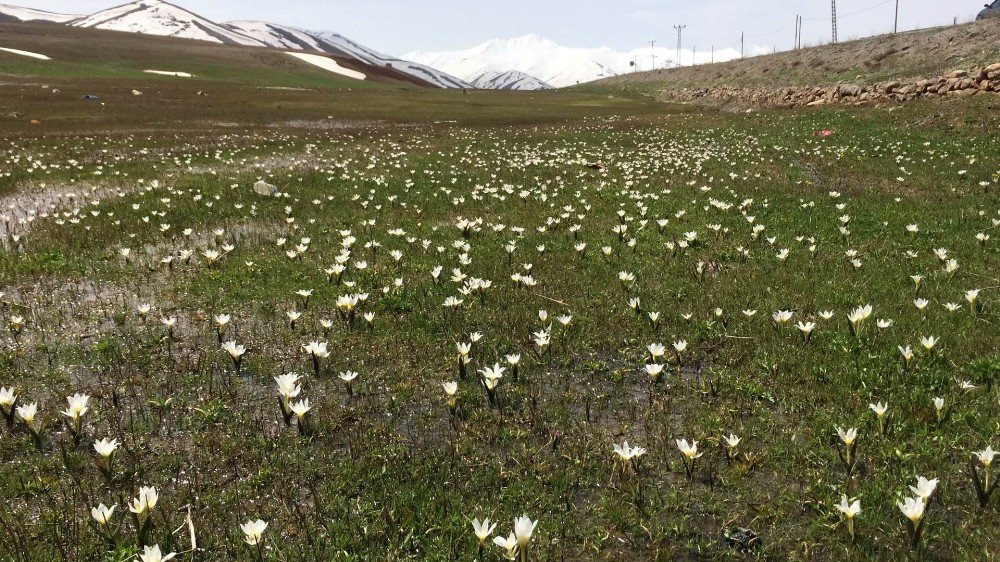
{"x": 923, "y": 53}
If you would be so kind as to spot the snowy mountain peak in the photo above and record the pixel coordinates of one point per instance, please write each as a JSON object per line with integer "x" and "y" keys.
{"x": 509, "y": 80}
{"x": 156, "y": 17}
{"x": 552, "y": 63}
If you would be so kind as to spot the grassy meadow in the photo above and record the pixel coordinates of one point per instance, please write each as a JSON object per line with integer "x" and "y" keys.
{"x": 735, "y": 294}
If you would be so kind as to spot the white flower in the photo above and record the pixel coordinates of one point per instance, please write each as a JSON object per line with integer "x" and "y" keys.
{"x": 253, "y": 531}
{"x": 235, "y": 351}
{"x": 145, "y": 501}
{"x": 483, "y": 530}
{"x": 849, "y": 509}
{"x": 102, "y": 513}
{"x": 924, "y": 488}
{"x": 77, "y": 406}
{"x": 879, "y": 409}
{"x": 105, "y": 447}
{"x": 152, "y": 554}
{"x": 523, "y": 528}
{"x": 690, "y": 450}
{"x": 848, "y": 436}
{"x": 986, "y": 456}
{"x": 913, "y": 509}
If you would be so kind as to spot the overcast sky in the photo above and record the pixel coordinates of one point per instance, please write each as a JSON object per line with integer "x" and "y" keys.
{"x": 400, "y": 26}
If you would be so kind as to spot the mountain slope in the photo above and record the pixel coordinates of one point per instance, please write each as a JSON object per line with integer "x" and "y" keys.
{"x": 509, "y": 80}
{"x": 18, "y": 13}
{"x": 285, "y": 37}
{"x": 553, "y": 63}
{"x": 155, "y": 17}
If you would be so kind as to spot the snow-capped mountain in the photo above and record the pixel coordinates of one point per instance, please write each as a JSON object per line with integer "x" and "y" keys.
{"x": 155, "y": 17}
{"x": 17, "y": 13}
{"x": 555, "y": 64}
{"x": 285, "y": 37}
{"x": 509, "y": 80}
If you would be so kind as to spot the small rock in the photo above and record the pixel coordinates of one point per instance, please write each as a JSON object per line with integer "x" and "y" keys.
{"x": 264, "y": 188}
{"x": 136, "y": 93}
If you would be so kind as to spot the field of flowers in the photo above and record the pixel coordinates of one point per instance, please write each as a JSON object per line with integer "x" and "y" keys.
{"x": 640, "y": 338}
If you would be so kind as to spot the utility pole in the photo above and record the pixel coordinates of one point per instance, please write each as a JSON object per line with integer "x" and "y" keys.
{"x": 895, "y": 26}
{"x": 797, "y": 31}
{"x": 834, "y": 20}
{"x": 652, "y": 51}
{"x": 713, "y": 54}
{"x": 680, "y": 30}
{"x": 742, "y": 34}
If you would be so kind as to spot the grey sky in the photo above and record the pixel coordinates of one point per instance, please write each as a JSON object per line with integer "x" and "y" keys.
{"x": 399, "y": 26}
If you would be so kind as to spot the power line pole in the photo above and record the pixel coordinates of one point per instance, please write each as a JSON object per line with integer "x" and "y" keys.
{"x": 680, "y": 30}
{"x": 652, "y": 51}
{"x": 713, "y": 54}
{"x": 895, "y": 26}
{"x": 834, "y": 20}
{"x": 797, "y": 31}
{"x": 742, "y": 34}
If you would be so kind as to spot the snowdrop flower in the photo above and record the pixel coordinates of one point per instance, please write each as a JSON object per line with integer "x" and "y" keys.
{"x": 316, "y": 351}
{"x": 690, "y": 454}
{"x": 106, "y": 447}
{"x": 925, "y": 488}
{"x": 348, "y": 378}
{"x": 654, "y": 370}
{"x": 152, "y": 554}
{"x": 509, "y": 544}
{"x": 782, "y": 316}
{"x": 656, "y": 351}
{"x": 826, "y": 314}
{"x": 102, "y": 514}
{"x": 301, "y": 408}
{"x": 907, "y": 354}
{"x": 731, "y": 441}
{"x": 880, "y": 410}
{"x": 849, "y": 439}
{"x": 939, "y": 407}
{"x": 913, "y": 509}
{"x": 850, "y": 510}
{"x": 145, "y": 501}
{"x": 483, "y": 530}
{"x": 27, "y": 414}
{"x": 77, "y": 408}
{"x": 847, "y": 436}
{"x": 882, "y": 324}
{"x": 626, "y": 453}
{"x": 236, "y": 353}
{"x": 253, "y": 531}
{"x": 806, "y": 328}
{"x": 986, "y": 457}
{"x": 971, "y": 296}
{"x": 928, "y": 342}
{"x": 523, "y": 529}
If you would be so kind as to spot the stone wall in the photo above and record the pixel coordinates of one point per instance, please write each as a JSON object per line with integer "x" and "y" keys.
{"x": 979, "y": 80}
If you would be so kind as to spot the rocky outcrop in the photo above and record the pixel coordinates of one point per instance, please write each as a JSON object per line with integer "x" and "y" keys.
{"x": 959, "y": 83}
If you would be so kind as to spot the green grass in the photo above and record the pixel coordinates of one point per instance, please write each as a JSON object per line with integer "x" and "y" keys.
{"x": 388, "y": 473}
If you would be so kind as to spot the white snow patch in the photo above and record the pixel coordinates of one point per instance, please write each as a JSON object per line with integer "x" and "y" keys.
{"x": 169, "y": 73}
{"x": 38, "y": 56}
{"x": 327, "y": 64}
{"x": 31, "y": 14}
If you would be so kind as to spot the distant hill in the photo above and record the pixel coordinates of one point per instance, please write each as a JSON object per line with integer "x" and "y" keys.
{"x": 159, "y": 18}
